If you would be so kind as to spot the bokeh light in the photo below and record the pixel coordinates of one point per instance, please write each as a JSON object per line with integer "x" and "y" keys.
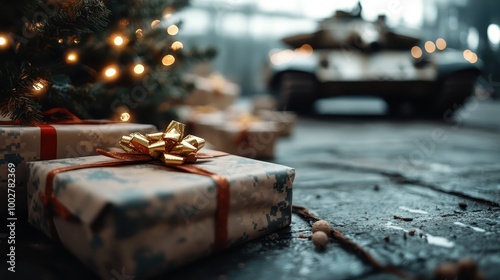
{"x": 139, "y": 69}
{"x": 430, "y": 47}
{"x": 173, "y": 30}
{"x": 111, "y": 72}
{"x": 177, "y": 45}
{"x": 416, "y": 52}
{"x": 168, "y": 60}
{"x": 118, "y": 40}
{"x": 440, "y": 44}
{"x": 72, "y": 57}
{"x": 125, "y": 117}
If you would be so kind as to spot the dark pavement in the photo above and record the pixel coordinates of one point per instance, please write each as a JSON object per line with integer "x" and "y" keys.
{"x": 358, "y": 172}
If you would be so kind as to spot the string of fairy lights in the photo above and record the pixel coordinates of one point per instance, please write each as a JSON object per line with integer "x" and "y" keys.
{"x": 113, "y": 71}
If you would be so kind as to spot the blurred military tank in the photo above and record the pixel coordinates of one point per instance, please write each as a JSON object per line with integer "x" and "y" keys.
{"x": 348, "y": 56}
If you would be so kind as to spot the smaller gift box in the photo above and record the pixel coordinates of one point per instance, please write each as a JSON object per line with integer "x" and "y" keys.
{"x": 237, "y": 133}
{"x": 285, "y": 121}
{"x": 144, "y": 217}
{"x": 213, "y": 90}
{"x": 21, "y": 144}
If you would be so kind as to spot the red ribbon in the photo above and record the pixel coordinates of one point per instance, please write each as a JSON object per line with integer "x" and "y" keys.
{"x": 223, "y": 190}
{"x": 48, "y": 134}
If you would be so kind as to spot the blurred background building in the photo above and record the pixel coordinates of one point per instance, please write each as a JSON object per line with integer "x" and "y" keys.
{"x": 245, "y": 32}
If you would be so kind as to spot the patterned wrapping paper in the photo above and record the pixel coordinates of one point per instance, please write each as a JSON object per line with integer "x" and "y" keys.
{"x": 144, "y": 219}
{"x": 21, "y": 144}
{"x": 255, "y": 139}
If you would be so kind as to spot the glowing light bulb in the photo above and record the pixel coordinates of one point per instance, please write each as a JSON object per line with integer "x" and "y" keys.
{"x": 139, "y": 69}
{"x": 177, "y": 45}
{"x": 60, "y": 41}
{"x": 468, "y": 55}
{"x": 173, "y": 30}
{"x": 110, "y": 72}
{"x": 305, "y": 49}
{"x": 124, "y": 117}
{"x": 430, "y": 47}
{"x": 139, "y": 33}
{"x": 3, "y": 41}
{"x": 38, "y": 86}
{"x": 440, "y": 44}
{"x": 473, "y": 58}
{"x": 168, "y": 60}
{"x": 118, "y": 40}
{"x": 416, "y": 52}
{"x": 155, "y": 22}
{"x": 71, "y": 57}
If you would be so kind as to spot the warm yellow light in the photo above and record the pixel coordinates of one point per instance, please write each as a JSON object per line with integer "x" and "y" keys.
{"x": 168, "y": 60}
{"x": 305, "y": 49}
{"x": 139, "y": 69}
{"x": 473, "y": 58}
{"x": 3, "y": 41}
{"x": 60, "y": 41}
{"x": 38, "y": 86}
{"x": 468, "y": 55}
{"x": 173, "y": 30}
{"x": 416, "y": 52}
{"x": 155, "y": 22}
{"x": 167, "y": 13}
{"x": 118, "y": 40}
{"x": 440, "y": 44}
{"x": 124, "y": 117}
{"x": 72, "y": 57}
{"x": 139, "y": 33}
{"x": 110, "y": 72}
{"x": 177, "y": 45}
{"x": 430, "y": 47}
{"x": 76, "y": 41}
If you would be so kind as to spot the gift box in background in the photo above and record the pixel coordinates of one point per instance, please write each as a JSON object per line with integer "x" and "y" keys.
{"x": 213, "y": 90}
{"x": 21, "y": 144}
{"x": 253, "y": 139}
{"x": 285, "y": 121}
{"x": 145, "y": 219}
{"x": 235, "y": 132}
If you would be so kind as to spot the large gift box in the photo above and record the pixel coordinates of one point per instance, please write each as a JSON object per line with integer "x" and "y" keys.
{"x": 21, "y": 144}
{"x": 145, "y": 218}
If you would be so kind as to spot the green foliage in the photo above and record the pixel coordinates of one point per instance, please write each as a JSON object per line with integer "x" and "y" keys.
{"x": 37, "y": 34}
{"x": 37, "y": 76}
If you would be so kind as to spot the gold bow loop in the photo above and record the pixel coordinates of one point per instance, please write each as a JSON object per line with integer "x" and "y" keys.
{"x": 171, "y": 147}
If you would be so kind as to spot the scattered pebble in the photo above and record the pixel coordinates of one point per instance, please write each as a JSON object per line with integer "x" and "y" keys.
{"x": 404, "y": 235}
{"x": 318, "y": 196}
{"x": 303, "y": 236}
{"x": 462, "y": 205}
{"x": 321, "y": 225}
{"x": 387, "y": 239}
{"x": 411, "y": 232}
{"x": 376, "y": 188}
{"x": 320, "y": 239}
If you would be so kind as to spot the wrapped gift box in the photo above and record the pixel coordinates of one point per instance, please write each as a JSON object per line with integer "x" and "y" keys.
{"x": 146, "y": 219}
{"x": 285, "y": 121}
{"x": 21, "y": 144}
{"x": 213, "y": 90}
{"x": 237, "y": 133}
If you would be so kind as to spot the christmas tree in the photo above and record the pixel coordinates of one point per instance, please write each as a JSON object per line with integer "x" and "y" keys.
{"x": 130, "y": 71}
{"x": 34, "y": 38}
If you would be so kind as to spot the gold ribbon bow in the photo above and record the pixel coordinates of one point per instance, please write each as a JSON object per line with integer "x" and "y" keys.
{"x": 171, "y": 147}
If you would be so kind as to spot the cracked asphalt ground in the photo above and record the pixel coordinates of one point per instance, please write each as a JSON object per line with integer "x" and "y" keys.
{"x": 358, "y": 173}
